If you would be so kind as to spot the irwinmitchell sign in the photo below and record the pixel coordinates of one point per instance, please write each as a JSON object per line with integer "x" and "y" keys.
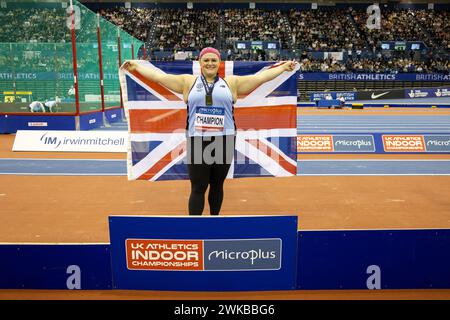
{"x": 78, "y": 141}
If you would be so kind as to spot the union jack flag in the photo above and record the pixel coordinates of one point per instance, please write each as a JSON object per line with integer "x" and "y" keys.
{"x": 265, "y": 119}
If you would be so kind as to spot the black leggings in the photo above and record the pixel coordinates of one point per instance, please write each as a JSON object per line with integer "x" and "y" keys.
{"x": 203, "y": 173}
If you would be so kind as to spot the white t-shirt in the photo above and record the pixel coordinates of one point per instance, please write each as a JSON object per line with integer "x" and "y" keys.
{"x": 50, "y": 104}
{"x": 36, "y": 106}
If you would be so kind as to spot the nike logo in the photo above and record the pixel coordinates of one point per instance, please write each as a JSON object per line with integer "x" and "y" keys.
{"x": 376, "y": 96}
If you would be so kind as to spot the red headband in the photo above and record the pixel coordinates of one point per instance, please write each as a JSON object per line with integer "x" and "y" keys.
{"x": 209, "y": 50}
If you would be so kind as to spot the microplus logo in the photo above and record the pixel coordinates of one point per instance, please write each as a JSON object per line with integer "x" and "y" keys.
{"x": 353, "y": 143}
{"x": 243, "y": 254}
{"x": 437, "y": 143}
{"x": 251, "y": 255}
{"x": 203, "y": 255}
{"x": 335, "y": 143}
{"x": 440, "y": 143}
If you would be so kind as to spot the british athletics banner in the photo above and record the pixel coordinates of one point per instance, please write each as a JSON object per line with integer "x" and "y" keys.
{"x": 265, "y": 118}
{"x": 314, "y": 76}
{"x": 323, "y": 76}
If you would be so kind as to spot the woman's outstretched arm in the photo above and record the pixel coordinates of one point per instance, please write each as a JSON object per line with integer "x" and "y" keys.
{"x": 173, "y": 82}
{"x": 246, "y": 84}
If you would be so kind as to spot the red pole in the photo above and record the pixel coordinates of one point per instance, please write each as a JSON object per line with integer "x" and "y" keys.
{"x": 100, "y": 61}
{"x": 74, "y": 58}
{"x": 120, "y": 63}
{"x": 132, "y": 51}
{"x": 14, "y": 74}
{"x": 145, "y": 53}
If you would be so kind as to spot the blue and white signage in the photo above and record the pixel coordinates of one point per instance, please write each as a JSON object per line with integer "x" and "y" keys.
{"x": 203, "y": 253}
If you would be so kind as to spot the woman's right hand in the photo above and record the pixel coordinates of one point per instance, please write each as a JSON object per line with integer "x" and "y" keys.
{"x": 130, "y": 65}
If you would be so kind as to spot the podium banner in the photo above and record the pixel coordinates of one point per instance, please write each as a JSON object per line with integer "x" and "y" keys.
{"x": 204, "y": 253}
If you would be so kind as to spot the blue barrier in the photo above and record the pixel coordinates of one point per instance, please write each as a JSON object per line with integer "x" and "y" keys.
{"x": 403, "y": 105}
{"x": 427, "y": 93}
{"x": 347, "y": 95}
{"x": 12, "y": 123}
{"x": 3, "y": 124}
{"x": 113, "y": 115}
{"x": 381, "y": 105}
{"x": 374, "y": 259}
{"x": 233, "y": 253}
{"x": 88, "y": 121}
{"x": 436, "y": 92}
{"x": 91, "y": 120}
{"x": 204, "y": 253}
{"x": 55, "y": 266}
{"x": 329, "y": 103}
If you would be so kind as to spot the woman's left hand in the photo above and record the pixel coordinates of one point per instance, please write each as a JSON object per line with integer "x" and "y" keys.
{"x": 289, "y": 65}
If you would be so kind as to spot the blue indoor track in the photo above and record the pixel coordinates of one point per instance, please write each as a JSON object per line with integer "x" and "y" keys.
{"x": 373, "y": 123}
{"x": 307, "y": 124}
{"x": 336, "y": 167}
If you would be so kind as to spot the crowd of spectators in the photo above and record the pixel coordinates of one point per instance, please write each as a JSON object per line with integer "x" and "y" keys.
{"x": 337, "y": 30}
{"x": 186, "y": 29}
{"x": 324, "y": 30}
{"x": 38, "y": 25}
{"x": 255, "y": 24}
{"x": 135, "y": 21}
{"x": 397, "y": 65}
{"x": 36, "y": 57}
{"x": 395, "y": 25}
{"x": 316, "y": 30}
{"x": 437, "y": 24}
{"x": 51, "y": 57}
{"x": 381, "y": 65}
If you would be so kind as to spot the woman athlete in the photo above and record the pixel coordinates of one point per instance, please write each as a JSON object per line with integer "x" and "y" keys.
{"x": 210, "y": 125}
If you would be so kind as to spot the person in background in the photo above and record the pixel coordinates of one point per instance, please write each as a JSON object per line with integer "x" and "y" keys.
{"x": 341, "y": 101}
{"x": 36, "y": 106}
{"x": 50, "y": 105}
